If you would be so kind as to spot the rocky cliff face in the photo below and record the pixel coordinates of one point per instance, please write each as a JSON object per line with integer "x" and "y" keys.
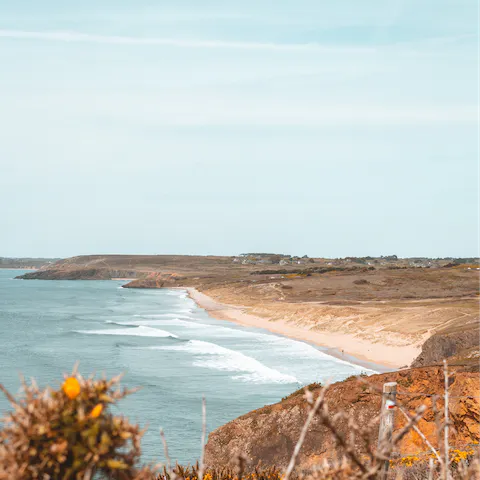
{"x": 77, "y": 274}
{"x": 460, "y": 345}
{"x": 156, "y": 280}
{"x": 269, "y": 434}
{"x": 70, "y": 274}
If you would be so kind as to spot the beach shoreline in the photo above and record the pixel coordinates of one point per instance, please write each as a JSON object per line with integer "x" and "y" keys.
{"x": 341, "y": 346}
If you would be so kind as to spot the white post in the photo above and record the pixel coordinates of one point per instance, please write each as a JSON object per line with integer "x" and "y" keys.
{"x": 385, "y": 432}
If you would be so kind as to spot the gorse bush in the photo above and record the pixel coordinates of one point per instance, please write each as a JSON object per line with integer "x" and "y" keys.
{"x": 192, "y": 473}
{"x": 69, "y": 433}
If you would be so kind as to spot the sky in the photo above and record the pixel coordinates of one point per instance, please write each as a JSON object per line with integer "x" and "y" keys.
{"x": 218, "y": 127}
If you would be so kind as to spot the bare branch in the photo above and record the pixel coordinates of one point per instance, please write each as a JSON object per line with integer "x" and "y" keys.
{"x": 167, "y": 456}
{"x": 430, "y": 469}
{"x": 316, "y": 406}
{"x": 424, "y": 438}
{"x": 204, "y": 435}
{"x": 9, "y": 396}
{"x": 413, "y": 421}
{"x": 446, "y": 461}
{"x": 349, "y": 449}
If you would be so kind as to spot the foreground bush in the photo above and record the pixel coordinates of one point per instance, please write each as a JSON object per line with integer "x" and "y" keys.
{"x": 69, "y": 433}
{"x": 192, "y": 473}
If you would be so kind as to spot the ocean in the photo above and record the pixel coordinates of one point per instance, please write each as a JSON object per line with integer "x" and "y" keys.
{"x": 163, "y": 343}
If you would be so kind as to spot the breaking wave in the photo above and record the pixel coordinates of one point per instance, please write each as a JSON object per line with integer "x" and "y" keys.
{"x": 299, "y": 349}
{"x": 160, "y": 315}
{"x": 140, "y": 331}
{"x": 216, "y": 357}
{"x": 177, "y": 322}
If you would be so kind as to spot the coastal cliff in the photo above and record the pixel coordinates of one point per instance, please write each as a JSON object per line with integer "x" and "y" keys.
{"x": 77, "y": 274}
{"x": 460, "y": 344}
{"x": 269, "y": 434}
{"x": 67, "y": 274}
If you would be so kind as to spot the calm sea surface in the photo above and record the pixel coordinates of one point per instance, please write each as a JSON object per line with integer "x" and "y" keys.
{"x": 163, "y": 343}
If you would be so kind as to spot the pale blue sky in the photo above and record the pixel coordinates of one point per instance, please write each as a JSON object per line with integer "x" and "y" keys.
{"x": 217, "y": 127}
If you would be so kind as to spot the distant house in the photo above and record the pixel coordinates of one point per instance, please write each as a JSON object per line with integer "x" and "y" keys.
{"x": 389, "y": 258}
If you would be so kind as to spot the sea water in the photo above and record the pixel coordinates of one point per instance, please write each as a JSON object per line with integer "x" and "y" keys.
{"x": 163, "y": 343}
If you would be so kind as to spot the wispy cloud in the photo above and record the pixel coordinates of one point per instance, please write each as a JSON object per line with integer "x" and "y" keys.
{"x": 79, "y": 37}
{"x": 439, "y": 41}
{"x": 64, "y": 36}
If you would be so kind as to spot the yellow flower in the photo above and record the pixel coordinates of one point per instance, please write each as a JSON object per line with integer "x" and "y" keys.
{"x": 71, "y": 387}
{"x": 97, "y": 410}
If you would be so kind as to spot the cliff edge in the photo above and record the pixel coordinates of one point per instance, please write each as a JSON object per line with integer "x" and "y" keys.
{"x": 269, "y": 434}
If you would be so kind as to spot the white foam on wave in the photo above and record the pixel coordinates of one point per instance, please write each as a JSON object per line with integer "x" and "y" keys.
{"x": 140, "y": 331}
{"x": 183, "y": 296}
{"x": 176, "y": 293}
{"x": 216, "y": 357}
{"x": 167, "y": 321}
{"x": 173, "y": 311}
{"x": 287, "y": 346}
{"x": 301, "y": 349}
{"x": 160, "y": 315}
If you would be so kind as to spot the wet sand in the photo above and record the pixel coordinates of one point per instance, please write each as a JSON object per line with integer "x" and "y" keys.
{"x": 378, "y": 357}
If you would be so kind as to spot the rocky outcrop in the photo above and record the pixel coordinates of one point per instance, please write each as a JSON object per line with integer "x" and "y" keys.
{"x": 68, "y": 274}
{"x": 269, "y": 434}
{"x": 156, "y": 280}
{"x": 77, "y": 274}
{"x": 460, "y": 345}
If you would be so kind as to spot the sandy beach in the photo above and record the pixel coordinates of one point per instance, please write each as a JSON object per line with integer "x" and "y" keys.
{"x": 375, "y": 356}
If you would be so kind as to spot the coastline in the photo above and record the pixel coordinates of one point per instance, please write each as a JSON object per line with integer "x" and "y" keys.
{"x": 18, "y": 268}
{"x": 341, "y": 346}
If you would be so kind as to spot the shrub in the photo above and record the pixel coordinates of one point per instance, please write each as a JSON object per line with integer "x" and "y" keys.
{"x": 191, "y": 473}
{"x": 69, "y": 433}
